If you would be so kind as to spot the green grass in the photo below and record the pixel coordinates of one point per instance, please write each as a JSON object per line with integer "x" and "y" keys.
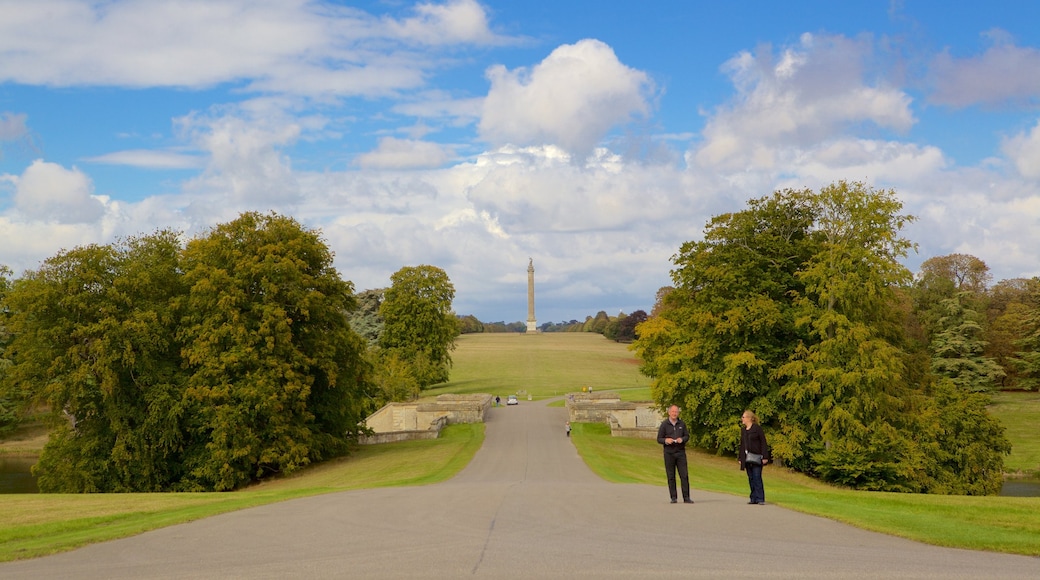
{"x": 1020, "y": 414}
{"x": 544, "y": 365}
{"x": 40, "y": 524}
{"x": 998, "y": 524}
{"x": 547, "y": 366}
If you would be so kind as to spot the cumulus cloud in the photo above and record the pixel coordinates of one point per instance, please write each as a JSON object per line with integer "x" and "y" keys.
{"x": 1004, "y": 73}
{"x": 246, "y": 163}
{"x": 1023, "y": 150}
{"x": 570, "y": 99}
{"x": 394, "y": 153}
{"x": 802, "y": 96}
{"x": 459, "y": 21}
{"x": 292, "y": 46}
{"x": 50, "y": 193}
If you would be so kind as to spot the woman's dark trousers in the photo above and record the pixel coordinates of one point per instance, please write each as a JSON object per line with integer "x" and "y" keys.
{"x": 754, "y": 478}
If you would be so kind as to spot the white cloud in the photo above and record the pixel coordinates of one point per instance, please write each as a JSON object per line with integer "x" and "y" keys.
{"x": 458, "y": 21}
{"x": 246, "y": 162}
{"x": 571, "y": 99}
{"x": 149, "y": 159}
{"x": 1004, "y": 73}
{"x": 50, "y": 193}
{"x": 1023, "y": 150}
{"x": 309, "y": 47}
{"x": 395, "y": 153}
{"x": 804, "y": 96}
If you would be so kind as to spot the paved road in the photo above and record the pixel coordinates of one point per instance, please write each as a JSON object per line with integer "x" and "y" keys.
{"x": 526, "y": 506}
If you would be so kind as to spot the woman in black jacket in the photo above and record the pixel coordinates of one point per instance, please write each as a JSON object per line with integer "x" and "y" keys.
{"x": 753, "y": 440}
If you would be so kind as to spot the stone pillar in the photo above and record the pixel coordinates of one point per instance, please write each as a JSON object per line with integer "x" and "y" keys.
{"x": 532, "y": 324}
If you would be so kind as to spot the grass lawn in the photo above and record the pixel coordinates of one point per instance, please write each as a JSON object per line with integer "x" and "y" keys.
{"x": 998, "y": 524}
{"x": 1020, "y": 414}
{"x": 545, "y": 366}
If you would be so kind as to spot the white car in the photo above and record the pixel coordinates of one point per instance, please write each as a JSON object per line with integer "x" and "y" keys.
{"x": 512, "y": 400}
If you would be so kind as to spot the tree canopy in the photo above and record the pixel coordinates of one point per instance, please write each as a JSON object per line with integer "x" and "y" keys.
{"x": 195, "y": 368}
{"x": 793, "y": 308}
{"x": 419, "y": 325}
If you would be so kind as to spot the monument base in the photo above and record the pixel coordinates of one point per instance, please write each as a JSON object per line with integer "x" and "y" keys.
{"x": 532, "y": 326}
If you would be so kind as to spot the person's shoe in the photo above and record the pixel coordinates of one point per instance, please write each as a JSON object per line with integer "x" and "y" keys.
{"x": 674, "y": 500}
{"x": 687, "y": 500}
{"x": 752, "y": 503}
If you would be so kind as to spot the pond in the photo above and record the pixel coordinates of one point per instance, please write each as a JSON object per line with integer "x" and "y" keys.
{"x": 16, "y": 475}
{"x": 1021, "y": 488}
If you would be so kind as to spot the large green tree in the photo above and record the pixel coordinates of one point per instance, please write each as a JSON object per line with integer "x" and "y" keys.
{"x": 419, "y": 325}
{"x": 277, "y": 376}
{"x": 792, "y": 307}
{"x": 957, "y": 347}
{"x": 197, "y": 368}
{"x": 94, "y": 340}
{"x": 8, "y": 404}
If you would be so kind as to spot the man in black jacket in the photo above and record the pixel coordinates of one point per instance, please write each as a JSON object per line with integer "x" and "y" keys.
{"x": 673, "y": 434}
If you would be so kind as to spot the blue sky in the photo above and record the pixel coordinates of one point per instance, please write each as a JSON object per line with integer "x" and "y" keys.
{"x": 593, "y": 137}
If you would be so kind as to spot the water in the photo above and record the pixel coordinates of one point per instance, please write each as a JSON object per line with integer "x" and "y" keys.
{"x": 1021, "y": 488}
{"x": 15, "y": 475}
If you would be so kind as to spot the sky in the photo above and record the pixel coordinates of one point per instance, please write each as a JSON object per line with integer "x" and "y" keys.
{"x": 592, "y": 137}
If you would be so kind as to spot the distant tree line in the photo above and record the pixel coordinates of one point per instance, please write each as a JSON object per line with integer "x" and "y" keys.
{"x": 620, "y": 328}
{"x": 864, "y": 375}
{"x": 242, "y": 354}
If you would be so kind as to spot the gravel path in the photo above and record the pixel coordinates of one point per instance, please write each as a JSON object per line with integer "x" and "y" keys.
{"x": 526, "y": 506}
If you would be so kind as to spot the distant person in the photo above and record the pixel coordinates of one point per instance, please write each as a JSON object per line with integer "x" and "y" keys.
{"x": 498, "y": 401}
{"x": 673, "y": 435}
{"x": 568, "y": 426}
{"x": 753, "y": 440}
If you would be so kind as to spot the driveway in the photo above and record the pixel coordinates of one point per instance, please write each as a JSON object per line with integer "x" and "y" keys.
{"x": 526, "y": 506}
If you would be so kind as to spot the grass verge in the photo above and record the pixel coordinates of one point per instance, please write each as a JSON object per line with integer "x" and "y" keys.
{"x": 40, "y": 524}
{"x": 997, "y": 524}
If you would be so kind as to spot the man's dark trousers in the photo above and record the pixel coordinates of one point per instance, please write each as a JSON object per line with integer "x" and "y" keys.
{"x": 677, "y": 460}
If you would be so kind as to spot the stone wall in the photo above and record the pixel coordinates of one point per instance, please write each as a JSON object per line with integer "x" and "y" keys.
{"x": 639, "y": 419}
{"x": 425, "y": 418}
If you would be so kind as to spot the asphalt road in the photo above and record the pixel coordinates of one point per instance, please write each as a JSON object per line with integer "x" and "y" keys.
{"x": 526, "y": 506}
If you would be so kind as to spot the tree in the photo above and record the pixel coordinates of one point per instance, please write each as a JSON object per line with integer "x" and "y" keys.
{"x": 627, "y": 326}
{"x": 792, "y": 307}
{"x": 95, "y": 342}
{"x": 1009, "y": 323}
{"x": 278, "y": 379}
{"x": 469, "y": 324}
{"x": 1027, "y": 358}
{"x": 957, "y": 348}
{"x": 365, "y": 319}
{"x": 8, "y": 404}
{"x": 419, "y": 325}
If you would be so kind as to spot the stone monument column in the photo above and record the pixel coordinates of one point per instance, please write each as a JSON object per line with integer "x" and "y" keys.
{"x": 532, "y": 324}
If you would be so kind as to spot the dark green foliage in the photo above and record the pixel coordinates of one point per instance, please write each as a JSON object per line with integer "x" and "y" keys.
{"x": 8, "y": 403}
{"x": 469, "y": 324}
{"x": 1027, "y": 358}
{"x": 365, "y": 319}
{"x": 626, "y": 331}
{"x": 94, "y": 341}
{"x": 791, "y": 308}
{"x": 957, "y": 348}
{"x": 189, "y": 369}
